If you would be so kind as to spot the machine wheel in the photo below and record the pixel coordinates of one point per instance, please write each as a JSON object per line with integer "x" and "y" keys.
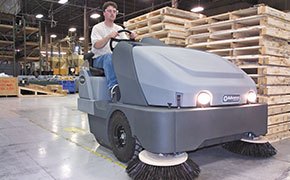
{"x": 120, "y": 136}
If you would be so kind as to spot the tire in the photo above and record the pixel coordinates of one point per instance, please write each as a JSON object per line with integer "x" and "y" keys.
{"x": 120, "y": 136}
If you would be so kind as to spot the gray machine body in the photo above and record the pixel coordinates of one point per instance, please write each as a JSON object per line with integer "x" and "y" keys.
{"x": 159, "y": 86}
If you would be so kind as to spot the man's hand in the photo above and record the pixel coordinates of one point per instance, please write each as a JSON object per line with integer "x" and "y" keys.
{"x": 133, "y": 35}
{"x": 113, "y": 35}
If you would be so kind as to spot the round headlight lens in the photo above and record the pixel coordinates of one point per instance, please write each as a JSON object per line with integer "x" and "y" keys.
{"x": 203, "y": 98}
{"x": 252, "y": 97}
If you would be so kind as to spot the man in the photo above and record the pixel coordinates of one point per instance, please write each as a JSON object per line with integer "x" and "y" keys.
{"x": 100, "y": 38}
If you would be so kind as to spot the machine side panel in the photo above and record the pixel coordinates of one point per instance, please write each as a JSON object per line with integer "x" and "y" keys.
{"x": 162, "y": 130}
{"x": 218, "y": 123}
{"x": 93, "y": 87}
{"x": 99, "y": 128}
{"x": 86, "y": 105}
{"x": 85, "y": 86}
{"x": 100, "y": 90}
{"x": 123, "y": 63}
{"x": 154, "y": 128}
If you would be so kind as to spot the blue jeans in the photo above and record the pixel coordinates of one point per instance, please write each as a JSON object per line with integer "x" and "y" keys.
{"x": 105, "y": 62}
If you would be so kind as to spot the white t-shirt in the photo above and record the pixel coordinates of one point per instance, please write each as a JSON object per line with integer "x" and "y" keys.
{"x": 100, "y": 31}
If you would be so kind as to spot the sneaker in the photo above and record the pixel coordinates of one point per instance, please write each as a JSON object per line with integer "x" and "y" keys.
{"x": 115, "y": 93}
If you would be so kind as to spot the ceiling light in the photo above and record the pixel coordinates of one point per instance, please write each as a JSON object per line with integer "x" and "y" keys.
{"x": 53, "y": 36}
{"x": 62, "y": 1}
{"x": 39, "y": 16}
{"x": 72, "y": 29}
{"x": 81, "y": 38}
{"x": 95, "y": 16}
{"x": 197, "y": 9}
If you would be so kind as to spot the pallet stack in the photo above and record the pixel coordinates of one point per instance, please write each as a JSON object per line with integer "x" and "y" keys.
{"x": 257, "y": 40}
{"x": 8, "y": 86}
{"x": 165, "y": 24}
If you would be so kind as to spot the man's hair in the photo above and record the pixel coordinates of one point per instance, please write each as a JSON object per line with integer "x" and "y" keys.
{"x": 109, "y": 3}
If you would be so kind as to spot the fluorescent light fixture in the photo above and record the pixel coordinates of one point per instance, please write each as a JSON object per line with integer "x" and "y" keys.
{"x": 39, "y": 16}
{"x": 53, "y": 36}
{"x": 81, "y": 38}
{"x": 72, "y": 29}
{"x": 95, "y": 16}
{"x": 62, "y": 1}
{"x": 197, "y": 9}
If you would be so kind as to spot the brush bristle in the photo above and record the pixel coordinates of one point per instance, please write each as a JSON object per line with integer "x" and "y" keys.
{"x": 188, "y": 170}
{"x": 251, "y": 149}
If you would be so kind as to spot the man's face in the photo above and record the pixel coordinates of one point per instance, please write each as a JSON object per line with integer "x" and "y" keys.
{"x": 110, "y": 13}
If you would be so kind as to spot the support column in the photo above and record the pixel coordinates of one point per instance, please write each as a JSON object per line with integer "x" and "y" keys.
{"x": 86, "y": 41}
{"x": 46, "y": 47}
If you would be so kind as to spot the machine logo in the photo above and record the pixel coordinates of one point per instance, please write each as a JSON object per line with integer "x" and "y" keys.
{"x": 82, "y": 79}
{"x": 231, "y": 98}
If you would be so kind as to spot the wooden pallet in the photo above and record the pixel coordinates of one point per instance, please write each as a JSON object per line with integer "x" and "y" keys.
{"x": 8, "y": 86}
{"x": 274, "y": 90}
{"x": 159, "y": 27}
{"x": 174, "y": 41}
{"x": 279, "y": 118}
{"x": 276, "y": 61}
{"x": 166, "y": 24}
{"x": 274, "y": 100}
{"x": 163, "y": 34}
{"x": 278, "y": 136}
{"x": 272, "y": 80}
{"x": 243, "y": 28}
{"x": 257, "y": 40}
{"x": 37, "y": 90}
{"x": 156, "y": 20}
{"x": 278, "y": 109}
{"x": 234, "y": 15}
{"x": 168, "y": 11}
{"x": 281, "y": 127}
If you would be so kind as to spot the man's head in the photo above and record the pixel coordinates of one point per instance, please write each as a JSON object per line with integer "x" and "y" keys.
{"x": 110, "y": 11}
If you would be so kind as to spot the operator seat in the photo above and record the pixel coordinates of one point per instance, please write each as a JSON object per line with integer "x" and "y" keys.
{"x": 94, "y": 71}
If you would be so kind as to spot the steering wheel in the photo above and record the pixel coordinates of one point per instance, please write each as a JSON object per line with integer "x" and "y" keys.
{"x": 118, "y": 40}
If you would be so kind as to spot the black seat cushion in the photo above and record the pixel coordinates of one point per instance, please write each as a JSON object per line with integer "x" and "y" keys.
{"x": 94, "y": 71}
{"x": 97, "y": 71}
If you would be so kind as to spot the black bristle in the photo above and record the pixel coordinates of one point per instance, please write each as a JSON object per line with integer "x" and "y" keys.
{"x": 138, "y": 148}
{"x": 251, "y": 149}
{"x": 188, "y": 170}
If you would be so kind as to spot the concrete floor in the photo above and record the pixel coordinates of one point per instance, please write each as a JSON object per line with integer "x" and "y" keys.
{"x": 48, "y": 138}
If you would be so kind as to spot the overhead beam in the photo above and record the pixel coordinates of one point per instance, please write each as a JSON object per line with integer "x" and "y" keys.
{"x": 69, "y": 4}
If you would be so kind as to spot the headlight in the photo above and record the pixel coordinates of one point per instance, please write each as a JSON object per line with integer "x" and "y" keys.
{"x": 203, "y": 98}
{"x": 251, "y": 97}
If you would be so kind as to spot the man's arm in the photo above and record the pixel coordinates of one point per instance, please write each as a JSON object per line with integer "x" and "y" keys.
{"x": 102, "y": 42}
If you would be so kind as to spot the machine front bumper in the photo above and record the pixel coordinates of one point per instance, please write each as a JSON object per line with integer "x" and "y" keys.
{"x": 163, "y": 130}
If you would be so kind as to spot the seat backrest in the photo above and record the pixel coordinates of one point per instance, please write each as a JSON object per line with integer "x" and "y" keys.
{"x": 94, "y": 71}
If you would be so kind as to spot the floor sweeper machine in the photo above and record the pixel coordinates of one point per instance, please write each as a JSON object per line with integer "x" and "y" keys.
{"x": 172, "y": 100}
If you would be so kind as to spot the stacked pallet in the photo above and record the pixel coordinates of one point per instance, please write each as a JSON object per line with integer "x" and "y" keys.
{"x": 35, "y": 90}
{"x": 257, "y": 40}
{"x": 8, "y": 86}
{"x": 165, "y": 24}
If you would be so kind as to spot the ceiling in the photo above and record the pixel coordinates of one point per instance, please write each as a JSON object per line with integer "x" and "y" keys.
{"x": 58, "y": 18}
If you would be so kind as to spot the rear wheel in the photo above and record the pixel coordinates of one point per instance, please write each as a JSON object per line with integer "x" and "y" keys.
{"x": 120, "y": 136}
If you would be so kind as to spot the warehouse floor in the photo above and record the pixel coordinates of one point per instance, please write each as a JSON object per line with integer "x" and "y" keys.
{"x": 48, "y": 138}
